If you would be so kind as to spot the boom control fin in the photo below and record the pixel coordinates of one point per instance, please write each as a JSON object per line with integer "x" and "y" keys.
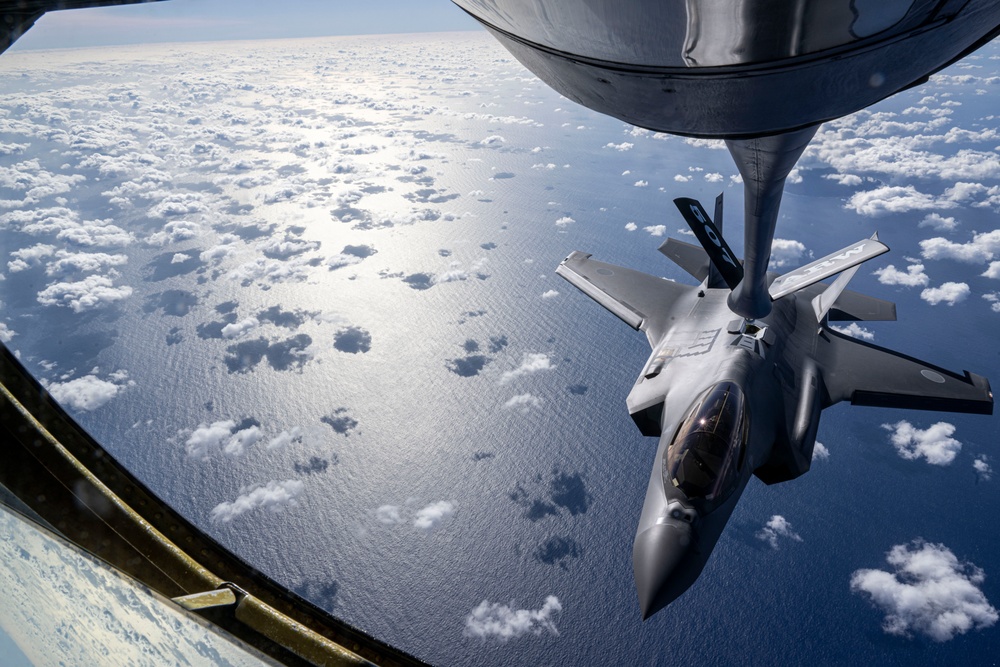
{"x": 724, "y": 264}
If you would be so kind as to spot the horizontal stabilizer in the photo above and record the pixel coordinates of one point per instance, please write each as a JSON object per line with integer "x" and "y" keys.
{"x": 722, "y": 257}
{"x": 866, "y": 374}
{"x": 691, "y": 258}
{"x": 853, "y": 306}
{"x": 640, "y": 300}
{"x": 825, "y": 267}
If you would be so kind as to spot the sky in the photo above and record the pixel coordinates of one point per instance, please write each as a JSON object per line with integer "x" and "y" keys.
{"x": 210, "y": 20}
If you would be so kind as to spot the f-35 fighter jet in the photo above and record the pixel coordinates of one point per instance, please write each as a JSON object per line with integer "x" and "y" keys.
{"x": 731, "y": 397}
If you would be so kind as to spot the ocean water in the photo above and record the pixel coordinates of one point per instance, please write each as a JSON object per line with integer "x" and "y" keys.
{"x": 305, "y": 290}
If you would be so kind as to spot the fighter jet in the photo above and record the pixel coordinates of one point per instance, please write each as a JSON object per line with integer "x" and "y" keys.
{"x": 731, "y": 397}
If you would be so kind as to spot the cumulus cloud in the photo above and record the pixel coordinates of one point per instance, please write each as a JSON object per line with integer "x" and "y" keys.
{"x": 855, "y": 330}
{"x": 934, "y": 444}
{"x": 914, "y": 276}
{"x": 656, "y": 230}
{"x": 631, "y": 226}
{"x": 623, "y": 146}
{"x": 505, "y": 622}
{"x": 641, "y": 184}
{"x": 982, "y": 467}
{"x": 388, "y": 514}
{"x": 295, "y": 269}
{"x": 565, "y": 220}
{"x": 938, "y": 222}
{"x": 930, "y": 592}
{"x": 784, "y": 251}
{"x": 994, "y": 300}
{"x": 531, "y": 363}
{"x": 286, "y": 438}
{"x": 173, "y": 232}
{"x": 820, "y": 452}
{"x": 70, "y": 262}
{"x": 982, "y": 248}
{"x": 273, "y": 496}
{"x": 6, "y": 333}
{"x": 894, "y": 199}
{"x": 87, "y": 294}
{"x": 25, "y": 258}
{"x": 430, "y": 517}
{"x": 225, "y": 436}
{"x": 523, "y": 402}
{"x": 777, "y": 527}
{"x": 84, "y": 393}
{"x": 949, "y": 293}
{"x": 550, "y": 294}
{"x": 237, "y": 329}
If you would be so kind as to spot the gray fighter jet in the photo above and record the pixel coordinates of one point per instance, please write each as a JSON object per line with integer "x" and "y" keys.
{"x": 731, "y": 397}
{"x": 743, "y": 364}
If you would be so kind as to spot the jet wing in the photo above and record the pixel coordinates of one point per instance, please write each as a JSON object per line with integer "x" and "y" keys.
{"x": 640, "y": 300}
{"x": 866, "y": 374}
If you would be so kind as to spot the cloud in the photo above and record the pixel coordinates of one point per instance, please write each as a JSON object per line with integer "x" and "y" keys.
{"x": 351, "y": 254}
{"x": 820, "y": 452}
{"x": 430, "y": 517}
{"x": 784, "y": 251}
{"x": 855, "y": 330}
{"x": 237, "y": 329}
{"x": 174, "y": 232}
{"x": 949, "y": 293}
{"x": 894, "y": 199}
{"x": 656, "y": 230}
{"x": 70, "y": 262}
{"x": 504, "y": 622}
{"x": 714, "y": 177}
{"x": 523, "y": 402}
{"x": 993, "y": 271}
{"x": 914, "y": 276}
{"x": 934, "y": 444}
{"x": 622, "y": 147}
{"x": 550, "y": 294}
{"x": 531, "y": 363}
{"x": 631, "y": 226}
{"x": 641, "y": 184}
{"x": 6, "y": 333}
{"x": 225, "y": 436}
{"x": 982, "y": 248}
{"x": 983, "y": 469}
{"x": 994, "y": 300}
{"x": 286, "y": 438}
{"x": 25, "y": 258}
{"x": 681, "y": 178}
{"x": 845, "y": 179}
{"x": 272, "y": 270}
{"x": 388, "y": 514}
{"x": 83, "y": 393}
{"x": 776, "y": 528}
{"x": 938, "y": 222}
{"x": 273, "y": 496}
{"x": 87, "y": 294}
{"x": 565, "y": 220}
{"x": 931, "y": 592}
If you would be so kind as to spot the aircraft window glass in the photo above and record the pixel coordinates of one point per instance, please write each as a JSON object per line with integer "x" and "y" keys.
{"x": 705, "y": 457}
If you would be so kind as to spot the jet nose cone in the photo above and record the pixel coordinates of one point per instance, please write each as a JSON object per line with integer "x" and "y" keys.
{"x": 655, "y": 557}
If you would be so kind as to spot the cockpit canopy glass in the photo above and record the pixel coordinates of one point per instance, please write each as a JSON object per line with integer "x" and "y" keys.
{"x": 706, "y": 455}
